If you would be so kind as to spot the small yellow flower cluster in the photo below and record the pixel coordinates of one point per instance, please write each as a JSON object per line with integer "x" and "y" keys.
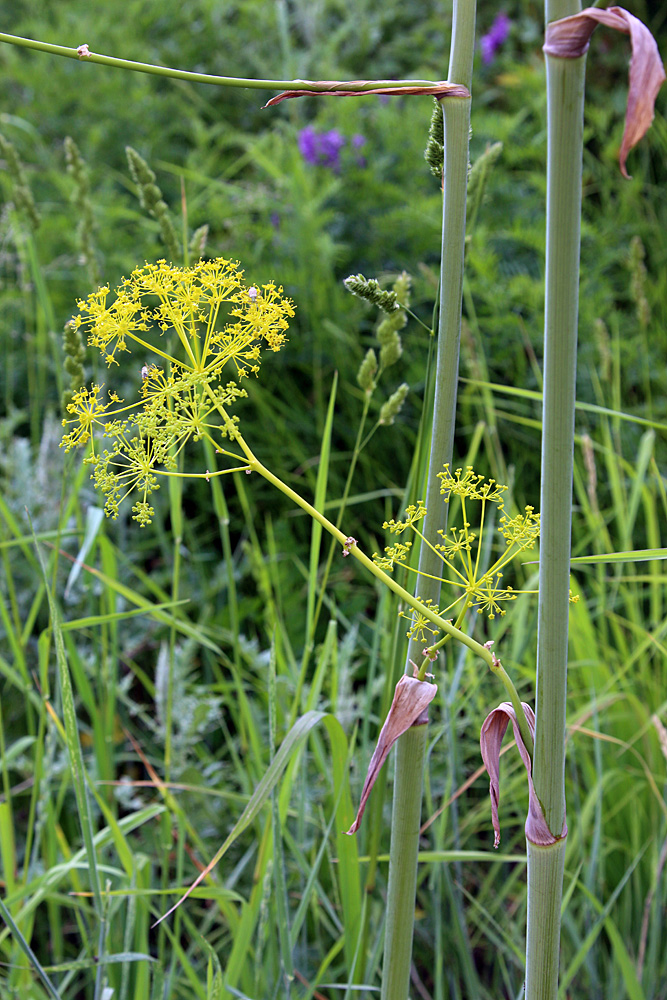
{"x": 523, "y": 530}
{"x": 460, "y": 549}
{"x": 188, "y": 323}
{"x": 421, "y": 628}
{"x": 469, "y": 484}
{"x": 413, "y": 513}
{"x": 393, "y": 554}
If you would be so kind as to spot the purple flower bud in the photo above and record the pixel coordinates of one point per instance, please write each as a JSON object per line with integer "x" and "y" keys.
{"x": 331, "y": 144}
{"x": 308, "y": 144}
{"x": 495, "y": 37}
{"x": 324, "y": 148}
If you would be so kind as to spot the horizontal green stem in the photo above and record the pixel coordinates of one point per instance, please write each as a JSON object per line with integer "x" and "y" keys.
{"x": 316, "y": 87}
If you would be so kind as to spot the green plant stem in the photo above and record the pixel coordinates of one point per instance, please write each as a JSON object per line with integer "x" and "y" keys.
{"x": 565, "y": 83}
{"x": 405, "y": 822}
{"x": 410, "y": 750}
{"x": 316, "y": 87}
{"x": 565, "y": 100}
{"x": 545, "y": 889}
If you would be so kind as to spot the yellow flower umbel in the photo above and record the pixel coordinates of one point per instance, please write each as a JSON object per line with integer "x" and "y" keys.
{"x": 215, "y": 320}
{"x": 461, "y": 550}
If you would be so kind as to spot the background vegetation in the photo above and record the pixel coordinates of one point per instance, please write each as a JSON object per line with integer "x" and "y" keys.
{"x": 168, "y": 631}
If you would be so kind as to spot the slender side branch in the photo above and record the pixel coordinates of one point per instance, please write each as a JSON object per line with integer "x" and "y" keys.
{"x": 294, "y": 87}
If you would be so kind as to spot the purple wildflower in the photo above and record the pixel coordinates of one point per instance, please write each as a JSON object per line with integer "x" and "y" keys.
{"x": 307, "y": 144}
{"x": 495, "y": 37}
{"x": 321, "y": 148}
{"x": 331, "y": 144}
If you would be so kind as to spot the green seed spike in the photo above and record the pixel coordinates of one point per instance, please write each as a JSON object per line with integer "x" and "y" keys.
{"x": 367, "y": 371}
{"x": 75, "y": 352}
{"x": 76, "y": 168}
{"x": 391, "y": 346}
{"x": 394, "y": 404}
{"x": 198, "y": 242}
{"x": 391, "y": 349}
{"x": 369, "y": 289}
{"x": 478, "y": 177}
{"x": 23, "y": 198}
{"x": 150, "y": 197}
{"x": 434, "y": 154}
{"x": 402, "y": 287}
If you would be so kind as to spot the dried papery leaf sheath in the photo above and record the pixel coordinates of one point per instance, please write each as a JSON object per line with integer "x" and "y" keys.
{"x": 339, "y": 89}
{"x": 569, "y": 37}
{"x": 411, "y": 698}
{"x": 491, "y": 738}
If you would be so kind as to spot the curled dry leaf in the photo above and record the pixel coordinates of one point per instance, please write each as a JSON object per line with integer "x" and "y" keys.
{"x": 411, "y": 698}
{"x": 491, "y": 738}
{"x": 569, "y": 38}
{"x": 334, "y": 88}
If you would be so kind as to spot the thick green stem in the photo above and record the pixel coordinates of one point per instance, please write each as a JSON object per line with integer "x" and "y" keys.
{"x": 565, "y": 81}
{"x": 565, "y": 92}
{"x": 411, "y": 746}
{"x": 405, "y": 822}
{"x": 545, "y": 887}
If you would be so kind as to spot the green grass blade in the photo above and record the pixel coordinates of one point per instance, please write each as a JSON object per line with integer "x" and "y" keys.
{"x": 636, "y": 555}
{"x": 320, "y": 498}
{"x": 280, "y": 881}
{"x": 72, "y": 740}
{"x": 94, "y": 518}
{"x": 25, "y": 947}
{"x": 292, "y": 742}
{"x": 532, "y": 394}
{"x": 181, "y": 625}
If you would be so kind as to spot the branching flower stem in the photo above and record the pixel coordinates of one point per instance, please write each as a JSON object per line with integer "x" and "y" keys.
{"x": 451, "y": 630}
{"x": 351, "y": 547}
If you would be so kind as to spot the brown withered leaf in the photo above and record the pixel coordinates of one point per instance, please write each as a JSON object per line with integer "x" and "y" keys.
{"x": 336, "y": 88}
{"x": 569, "y": 38}
{"x": 491, "y": 738}
{"x": 411, "y": 698}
